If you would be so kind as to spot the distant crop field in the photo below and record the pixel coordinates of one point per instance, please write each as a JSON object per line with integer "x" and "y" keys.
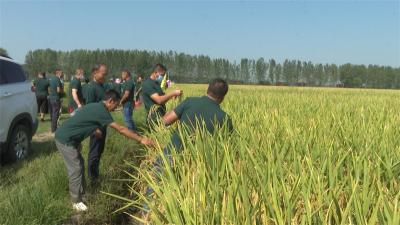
{"x": 298, "y": 156}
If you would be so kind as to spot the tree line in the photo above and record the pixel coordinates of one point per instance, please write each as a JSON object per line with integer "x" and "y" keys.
{"x": 199, "y": 68}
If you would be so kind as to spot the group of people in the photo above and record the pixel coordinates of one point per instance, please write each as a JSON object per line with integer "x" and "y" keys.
{"x": 49, "y": 92}
{"x": 91, "y": 117}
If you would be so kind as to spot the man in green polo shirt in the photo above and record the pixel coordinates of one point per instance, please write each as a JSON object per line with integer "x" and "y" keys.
{"x": 75, "y": 92}
{"x": 154, "y": 98}
{"x": 88, "y": 120}
{"x": 127, "y": 100}
{"x": 55, "y": 93}
{"x": 41, "y": 85}
{"x": 196, "y": 110}
{"x": 95, "y": 93}
{"x": 192, "y": 113}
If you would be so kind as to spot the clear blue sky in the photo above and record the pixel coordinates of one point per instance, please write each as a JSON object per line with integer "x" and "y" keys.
{"x": 321, "y": 31}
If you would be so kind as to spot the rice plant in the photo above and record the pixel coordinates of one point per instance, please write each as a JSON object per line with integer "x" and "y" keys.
{"x": 297, "y": 156}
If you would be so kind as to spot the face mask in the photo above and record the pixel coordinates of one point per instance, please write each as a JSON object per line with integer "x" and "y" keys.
{"x": 159, "y": 78}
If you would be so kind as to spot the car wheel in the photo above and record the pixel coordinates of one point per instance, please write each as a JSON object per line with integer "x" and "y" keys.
{"x": 19, "y": 143}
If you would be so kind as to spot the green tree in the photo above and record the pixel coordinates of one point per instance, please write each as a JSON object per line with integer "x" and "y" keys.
{"x": 187, "y": 68}
{"x": 3, "y": 52}
{"x": 261, "y": 69}
{"x": 271, "y": 72}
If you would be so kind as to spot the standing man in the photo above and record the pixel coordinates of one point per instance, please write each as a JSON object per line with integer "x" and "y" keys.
{"x": 42, "y": 92}
{"x": 94, "y": 94}
{"x": 90, "y": 119}
{"x": 154, "y": 97}
{"x": 55, "y": 93}
{"x": 127, "y": 100}
{"x": 75, "y": 92}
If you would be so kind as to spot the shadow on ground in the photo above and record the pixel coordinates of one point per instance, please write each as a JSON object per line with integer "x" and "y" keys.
{"x": 42, "y": 145}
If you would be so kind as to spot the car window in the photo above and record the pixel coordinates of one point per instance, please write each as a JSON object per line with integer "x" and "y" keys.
{"x": 11, "y": 72}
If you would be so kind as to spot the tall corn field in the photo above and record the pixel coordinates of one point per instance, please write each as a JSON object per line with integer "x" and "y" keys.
{"x": 297, "y": 156}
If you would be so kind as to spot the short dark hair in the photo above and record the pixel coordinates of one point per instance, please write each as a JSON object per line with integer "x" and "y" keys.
{"x": 113, "y": 95}
{"x": 96, "y": 67}
{"x": 127, "y": 72}
{"x": 159, "y": 68}
{"x": 217, "y": 88}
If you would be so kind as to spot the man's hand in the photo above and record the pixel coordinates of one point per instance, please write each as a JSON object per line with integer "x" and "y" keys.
{"x": 177, "y": 93}
{"x": 98, "y": 134}
{"x": 132, "y": 135}
{"x": 147, "y": 141}
{"x": 79, "y": 148}
{"x": 162, "y": 99}
{"x": 75, "y": 97}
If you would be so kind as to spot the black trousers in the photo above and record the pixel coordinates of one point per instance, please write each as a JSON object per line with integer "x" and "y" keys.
{"x": 96, "y": 148}
{"x": 55, "y": 114}
{"x": 42, "y": 103}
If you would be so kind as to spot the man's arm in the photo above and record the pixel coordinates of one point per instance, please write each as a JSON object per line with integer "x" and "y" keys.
{"x": 170, "y": 118}
{"x": 174, "y": 115}
{"x": 59, "y": 87}
{"x": 75, "y": 97}
{"x": 132, "y": 135}
{"x": 161, "y": 99}
{"x": 125, "y": 96}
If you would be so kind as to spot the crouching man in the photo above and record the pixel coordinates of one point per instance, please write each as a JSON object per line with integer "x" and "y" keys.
{"x": 84, "y": 123}
{"x": 191, "y": 113}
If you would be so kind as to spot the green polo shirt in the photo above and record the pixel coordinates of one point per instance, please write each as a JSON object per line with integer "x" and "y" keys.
{"x": 118, "y": 88}
{"x": 129, "y": 85}
{"x": 75, "y": 84}
{"x": 42, "y": 87}
{"x": 94, "y": 92}
{"x": 73, "y": 131}
{"x": 150, "y": 87}
{"x": 200, "y": 109}
{"x": 54, "y": 82}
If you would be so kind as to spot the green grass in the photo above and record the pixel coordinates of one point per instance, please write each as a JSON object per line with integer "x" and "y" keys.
{"x": 35, "y": 191}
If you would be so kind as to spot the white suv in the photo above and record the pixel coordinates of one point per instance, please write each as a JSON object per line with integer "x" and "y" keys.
{"x": 18, "y": 111}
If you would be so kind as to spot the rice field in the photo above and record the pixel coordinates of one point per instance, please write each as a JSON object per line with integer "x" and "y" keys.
{"x": 297, "y": 156}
